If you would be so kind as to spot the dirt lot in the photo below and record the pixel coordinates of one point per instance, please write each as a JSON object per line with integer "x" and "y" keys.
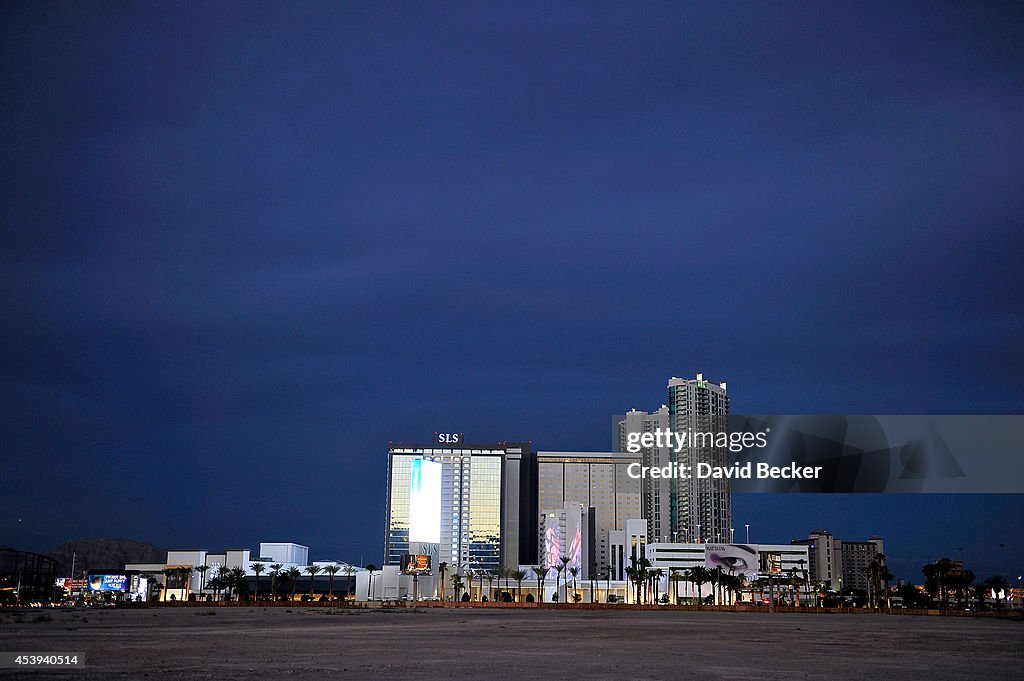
{"x": 250, "y": 643}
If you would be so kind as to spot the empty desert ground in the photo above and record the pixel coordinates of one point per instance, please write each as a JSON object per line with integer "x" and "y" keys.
{"x": 465, "y": 643}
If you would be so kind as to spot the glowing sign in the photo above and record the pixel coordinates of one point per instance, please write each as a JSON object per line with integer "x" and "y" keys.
{"x": 425, "y": 501}
{"x": 575, "y": 550}
{"x": 108, "y": 582}
{"x": 415, "y": 565}
{"x": 734, "y": 559}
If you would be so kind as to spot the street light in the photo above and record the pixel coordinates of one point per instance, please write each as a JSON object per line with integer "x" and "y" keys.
{"x": 732, "y": 534}
{"x": 747, "y": 525}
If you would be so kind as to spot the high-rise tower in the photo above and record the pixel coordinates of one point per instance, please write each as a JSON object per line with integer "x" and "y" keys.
{"x": 701, "y": 509}
{"x": 684, "y": 509}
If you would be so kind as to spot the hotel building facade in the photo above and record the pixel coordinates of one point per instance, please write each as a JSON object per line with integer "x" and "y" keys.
{"x": 677, "y": 509}
{"x": 485, "y": 504}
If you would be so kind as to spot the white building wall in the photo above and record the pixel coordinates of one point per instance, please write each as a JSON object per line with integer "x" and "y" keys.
{"x": 284, "y": 552}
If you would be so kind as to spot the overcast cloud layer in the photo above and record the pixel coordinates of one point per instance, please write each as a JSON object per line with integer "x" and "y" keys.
{"x": 242, "y": 247}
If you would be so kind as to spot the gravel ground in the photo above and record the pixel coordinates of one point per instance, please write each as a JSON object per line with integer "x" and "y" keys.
{"x": 463, "y": 643}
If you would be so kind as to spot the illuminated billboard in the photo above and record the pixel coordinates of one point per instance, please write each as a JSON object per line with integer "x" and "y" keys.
{"x": 734, "y": 559}
{"x": 415, "y": 564}
{"x": 425, "y": 501}
{"x": 139, "y": 590}
{"x": 108, "y": 582}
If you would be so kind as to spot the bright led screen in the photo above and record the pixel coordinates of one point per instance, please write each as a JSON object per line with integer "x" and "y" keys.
{"x": 425, "y": 502}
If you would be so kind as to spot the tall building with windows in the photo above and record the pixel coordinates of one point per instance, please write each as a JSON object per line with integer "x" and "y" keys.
{"x": 701, "y": 508}
{"x": 657, "y": 492}
{"x": 596, "y": 481}
{"x": 685, "y": 509}
{"x": 484, "y": 503}
{"x": 840, "y": 563}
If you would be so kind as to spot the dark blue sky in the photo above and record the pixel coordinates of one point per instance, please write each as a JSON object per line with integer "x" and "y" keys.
{"x": 243, "y": 246}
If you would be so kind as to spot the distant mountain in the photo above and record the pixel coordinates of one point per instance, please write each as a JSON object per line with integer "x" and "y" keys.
{"x": 103, "y": 554}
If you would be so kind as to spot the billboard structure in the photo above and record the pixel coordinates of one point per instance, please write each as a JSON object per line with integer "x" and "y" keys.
{"x": 425, "y": 501}
{"x": 734, "y": 559}
{"x": 415, "y": 564}
{"x": 139, "y": 590}
{"x": 108, "y": 583}
{"x": 552, "y": 546}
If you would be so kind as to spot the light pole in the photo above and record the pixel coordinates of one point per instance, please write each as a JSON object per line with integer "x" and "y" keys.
{"x": 747, "y": 525}
{"x": 732, "y": 534}
{"x": 698, "y": 533}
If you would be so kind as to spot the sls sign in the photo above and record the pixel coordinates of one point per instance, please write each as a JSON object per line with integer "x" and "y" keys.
{"x": 449, "y": 438}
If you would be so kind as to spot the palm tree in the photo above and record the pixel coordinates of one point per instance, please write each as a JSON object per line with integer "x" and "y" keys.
{"x": 499, "y": 572}
{"x": 803, "y": 569}
{"x": 575, "y": 571}
{"x": 796, "y": 580}
{"x": 470, "y": 575}
{"x": 506, "y": 572}
{"x": 216, "y": 583}
{"x": 519, "y": 576}
{"x": 715, "y": 577}
{"x": 185, "y": 573}
{"x": 350, "y": 585}
{"x": 275, "y": 572}
{"x": 492, "y": 576}
{"x": 608, "y": 581}
{"x": 312, "y": 571}
{"x": 370, "y": 567}
{"x": 656, "y": 576}
{"x": 698, "y": 575}
{"x": 674, "y": 578}
{"x": 293, "y": 576}
{"x": 227, "y": 582}
{"x": 963, "y": 585}
{"x": 542, "y": 572}
{"x": 980, "y": 594}
{"x": 257, "y": 569}
{"x": 637, "y": 572}
{"x": 881, "y": 575}
{"x": 593, "y": 578}
{"x": 643, "y": 572}
{"x": 736, "y": 583}
{"x": 201, "y": 569}
{"x": 563, "y": 562}
{"x": 633, "y": 577}
{"x": 820, "y": 590}
{"x": 456, "y": 584}
{"x": 442, "y": 567}
{"x": 168, "y": 573}
{"x": 331, "y": 570}
{"x": 238, "y": 580}
{"x": 154, "y": 588}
